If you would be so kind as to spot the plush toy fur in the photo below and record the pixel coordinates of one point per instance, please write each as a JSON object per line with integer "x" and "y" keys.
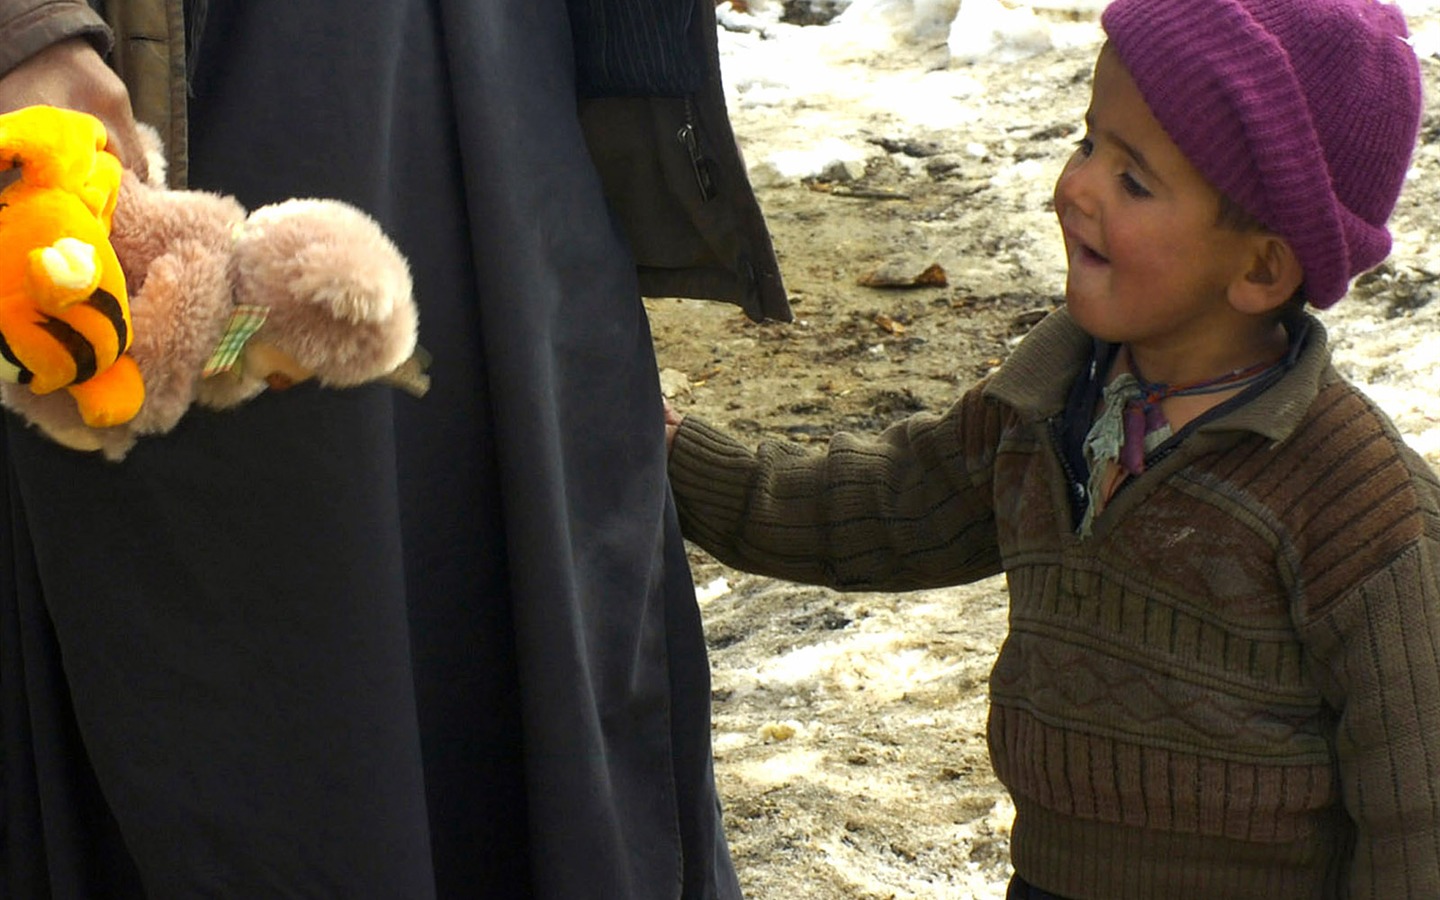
{"x": 64, "y": 317}
{"x": 333, "y": 291}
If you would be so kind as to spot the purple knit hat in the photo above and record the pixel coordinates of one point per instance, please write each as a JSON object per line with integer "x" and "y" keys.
{"x": 1302, "y": 112}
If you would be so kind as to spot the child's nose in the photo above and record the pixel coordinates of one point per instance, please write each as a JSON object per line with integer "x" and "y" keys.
{"x": 1074, "y": 188}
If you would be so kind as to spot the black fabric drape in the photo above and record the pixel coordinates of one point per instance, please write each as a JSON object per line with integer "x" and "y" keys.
{"x": 349, "y": 643}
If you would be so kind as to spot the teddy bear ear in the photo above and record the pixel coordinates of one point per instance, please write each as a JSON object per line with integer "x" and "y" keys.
{"x": 154, "y": 149}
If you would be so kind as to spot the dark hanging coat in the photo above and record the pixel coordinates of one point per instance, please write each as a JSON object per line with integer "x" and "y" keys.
{"x": 353, "y": 644}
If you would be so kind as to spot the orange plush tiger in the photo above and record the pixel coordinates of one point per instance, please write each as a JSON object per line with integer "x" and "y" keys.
{"x": 64, "y": 311}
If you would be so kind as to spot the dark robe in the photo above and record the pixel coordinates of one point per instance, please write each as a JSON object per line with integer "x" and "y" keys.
{"x": 351, "y": 643}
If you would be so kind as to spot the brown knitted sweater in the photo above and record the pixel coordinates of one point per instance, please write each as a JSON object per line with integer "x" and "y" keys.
{"x": 1230, "y": 690}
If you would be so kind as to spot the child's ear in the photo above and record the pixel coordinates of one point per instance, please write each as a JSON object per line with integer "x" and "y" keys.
{"x": 1272, "y": 278}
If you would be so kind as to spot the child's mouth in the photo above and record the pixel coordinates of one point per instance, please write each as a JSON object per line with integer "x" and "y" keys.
{"x": 1084, "y": 252}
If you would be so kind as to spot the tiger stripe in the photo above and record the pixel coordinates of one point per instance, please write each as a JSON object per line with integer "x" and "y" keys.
{"x": 74, "y": 343}
{"x": 106, "y": 303}
{"x": 92, "y": 334}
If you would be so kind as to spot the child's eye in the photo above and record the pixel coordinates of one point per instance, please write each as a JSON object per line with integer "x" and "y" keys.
{"x": 1133, "y": 187}
{"x": 1085, "y": 148}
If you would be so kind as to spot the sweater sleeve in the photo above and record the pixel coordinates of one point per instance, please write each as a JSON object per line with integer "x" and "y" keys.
{"x": 912, "y": 508}
{"x": 1377, "y": 651}
{"x": 29, "y": 26}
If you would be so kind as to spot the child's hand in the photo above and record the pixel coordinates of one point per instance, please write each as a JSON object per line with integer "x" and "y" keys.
{"x": 672, "y": 425}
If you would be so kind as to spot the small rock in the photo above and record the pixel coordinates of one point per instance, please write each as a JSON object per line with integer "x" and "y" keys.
{"x": 674, "y": 383}
{"x": 777, "y": 731}
{"x": 904, "y": 275}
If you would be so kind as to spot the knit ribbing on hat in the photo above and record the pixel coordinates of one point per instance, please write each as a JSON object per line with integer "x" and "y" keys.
{"x": 1302, "y": 112}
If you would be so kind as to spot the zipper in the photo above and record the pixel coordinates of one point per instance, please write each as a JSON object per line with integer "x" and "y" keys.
{"x": 701, "y": 165}
{"x": 1078, "y": 491}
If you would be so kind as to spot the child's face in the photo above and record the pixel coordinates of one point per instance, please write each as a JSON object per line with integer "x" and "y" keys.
{"x": 1148, "y": 263}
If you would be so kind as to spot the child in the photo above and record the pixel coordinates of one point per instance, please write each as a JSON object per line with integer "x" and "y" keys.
{"x": 1222, "y": 677}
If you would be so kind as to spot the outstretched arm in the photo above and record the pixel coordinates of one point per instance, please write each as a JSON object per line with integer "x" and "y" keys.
{"x": 911, "y": 508}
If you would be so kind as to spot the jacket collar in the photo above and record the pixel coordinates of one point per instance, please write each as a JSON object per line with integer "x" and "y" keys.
{"x": 1035, "y": 380}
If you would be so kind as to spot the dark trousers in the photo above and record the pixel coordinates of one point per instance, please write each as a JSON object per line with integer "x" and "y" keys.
{"x": 1020, "y": 889}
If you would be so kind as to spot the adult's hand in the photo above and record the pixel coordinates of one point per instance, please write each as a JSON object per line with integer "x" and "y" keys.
{"x": 72, "y": 74}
